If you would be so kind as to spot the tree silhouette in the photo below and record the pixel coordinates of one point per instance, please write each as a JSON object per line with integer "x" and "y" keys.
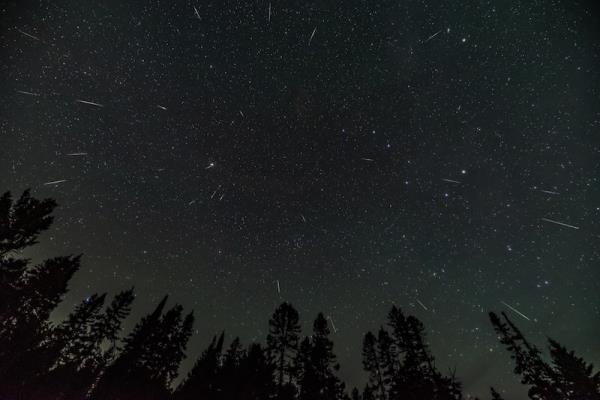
{"x": 150, "y": 358}
{"x": 495, "y": 394}
{"x": 63, "y": 351}
{"x": 400, "y": 365}
{"x": 568, "y": 377}
{"x": 27, "y": 295}
{"x": 256, "y": 376}
{"x": 379, "y": 362}
{"x": 94, "y": 350}
{"x": 282, "y": 346}
{"x": 355, "y": 394}
{"x": 201, "y": 381}
{"x": 319, "y": 366}
{"x": 83, "y": 357}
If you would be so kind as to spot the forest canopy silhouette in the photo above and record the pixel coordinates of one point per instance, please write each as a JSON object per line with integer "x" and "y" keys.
{"x": 88, "y": 356}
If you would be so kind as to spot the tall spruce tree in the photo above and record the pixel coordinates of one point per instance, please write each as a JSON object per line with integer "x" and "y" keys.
{"x": 495, "y": 394}
{"x": 21, "y": 222}
{"x": 529, "y": 364}
{"x": 400, "y": 365}
{"x": 373, "y": 363}
{"x": 27, "y": 295}
{"x": 282, "y": 345}
{"x": 256, "y": 375}
{"x": 143, "y": 369}
{"x": 319, "y": 367}
{"x": 105, "y": 332}
{"x": 202, "y": 380}
{"x": 63, "y": 351}
{"x": 568, "y": 377}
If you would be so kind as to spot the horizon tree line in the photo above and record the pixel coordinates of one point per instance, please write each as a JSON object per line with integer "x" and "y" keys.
{"x": 86, "y": 357}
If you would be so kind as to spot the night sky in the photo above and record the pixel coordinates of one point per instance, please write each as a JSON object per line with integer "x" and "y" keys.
{"x": 343, "y": 156}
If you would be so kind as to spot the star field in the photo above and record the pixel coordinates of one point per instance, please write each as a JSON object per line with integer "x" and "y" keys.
{"x": 443, "y": 157}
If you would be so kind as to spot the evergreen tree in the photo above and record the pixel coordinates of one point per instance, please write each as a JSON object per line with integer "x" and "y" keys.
{"x": 575, "y": 377}
{"x": 75, "y": 335}
{"x": 257, "y": 374}
{"x": 27, "y": 295}
{"x": 400, "y": 365}
{"x": 495, "y": 394}
{"x": 105, "y": 332}
{"x": 319, "y": 380}
{"x": 201, "y": 381}
{"x": 63, "y": 351}
{"x": 529, "y": 364}
{"x": 23, "y": 221}
{"x": 367, "y": 393}
{"x": 143, "y": 369}
{"x": 282, "y": 343}
{"x": 20, "y": 225}
{"x": 568, "y": 377}
{"x": 379, "y": 360}
{"x": 77, "y": 378}
{"x": 23, "y": 334}
{"x": 373, "y": 364}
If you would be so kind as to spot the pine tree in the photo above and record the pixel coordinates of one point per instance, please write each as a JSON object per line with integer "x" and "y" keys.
{"x": 575, "y": 377}
{"x": 21, "y": 223}
{"x": 75, "y": 336}
{"x": 568, "y": 378}
{"x": 529, "y": 364}
{"x": 257, "y": 375}
{"x": 27, "y": 295}
{"x": 62, "y": 353}
{"x": 373, "y": 364}
{"x": 282, "y": 343}
{"x": 23, "y": 334}
{"x": 105, "y": 331}
{"x": 201, "y": 380}
{"x": 388, "y": 357}
{"x": 409, "y": 368}
{"x": 164, "y": 349}
{"x": 319, "y": 380}
{"x": 495, "y": 394}
{"x": 130, "y": 375}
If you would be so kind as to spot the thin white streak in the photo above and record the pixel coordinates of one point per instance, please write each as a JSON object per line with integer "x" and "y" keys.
{"x": 312, "y": 35}
{"x": 560, "y": 223}
{"x": 76, "y": 154}
{"x": 27, "y": 93}
{"x": 422, "y": 305}
{"x": 28, "y": 34}
{"x": 91, "y": 103}
{"x": 450, "y": 180}
{"x": 548, "y": 191}
{"x": 332, "y": 324}
{"x": 432, "y": 36}
{"x": 55, "y": 182}
{"x": 516, "y": 311}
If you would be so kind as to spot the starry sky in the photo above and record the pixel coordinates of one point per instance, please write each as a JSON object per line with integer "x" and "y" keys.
{"x": 343, "y": 156}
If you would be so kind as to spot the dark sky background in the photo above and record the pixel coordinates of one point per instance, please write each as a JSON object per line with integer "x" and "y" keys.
{"x": 359, "y": 154}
